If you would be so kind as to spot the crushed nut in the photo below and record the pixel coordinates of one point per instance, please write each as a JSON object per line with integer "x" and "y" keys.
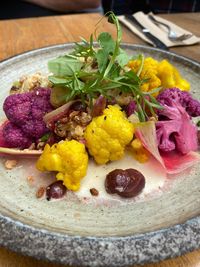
{"x": 73, "y": 126}
{"x": 94, "y": 192}
{"x": 29, "y": 82}
{"x": 78, "y": 131}
{"x": 10, "y": 164}
{"x": 74, "y": 113}
{"x": 40, "y": 192}
{"x": 30, "y": 179}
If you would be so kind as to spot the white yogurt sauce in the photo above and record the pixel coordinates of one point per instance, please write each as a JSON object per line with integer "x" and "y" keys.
{"x": 154, "y": 174}
{"x": 155, "y": 178}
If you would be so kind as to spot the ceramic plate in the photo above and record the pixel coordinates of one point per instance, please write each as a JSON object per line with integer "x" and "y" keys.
{"x": 161, "y": 226}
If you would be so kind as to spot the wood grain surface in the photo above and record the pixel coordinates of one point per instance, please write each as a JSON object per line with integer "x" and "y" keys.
{"x": 22, "y": 35}
{"x": 17, "y": 36}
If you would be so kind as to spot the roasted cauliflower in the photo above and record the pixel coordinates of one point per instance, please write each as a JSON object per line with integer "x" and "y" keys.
{"x": 107, "y": 135}
{"x": 158, "y": 74}
{"x": 69, "y": 159}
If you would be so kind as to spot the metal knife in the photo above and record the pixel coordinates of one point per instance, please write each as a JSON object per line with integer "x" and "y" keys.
{"x": 156, "y": 42}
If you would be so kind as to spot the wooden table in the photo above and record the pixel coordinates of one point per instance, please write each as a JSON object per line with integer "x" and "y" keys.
{"x": 21, "y": 35}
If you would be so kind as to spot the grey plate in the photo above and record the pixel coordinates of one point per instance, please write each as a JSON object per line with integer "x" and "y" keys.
{"x": 165, "y": 226}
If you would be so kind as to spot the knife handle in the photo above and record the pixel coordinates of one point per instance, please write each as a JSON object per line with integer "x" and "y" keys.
{"x": 156, "y": 42}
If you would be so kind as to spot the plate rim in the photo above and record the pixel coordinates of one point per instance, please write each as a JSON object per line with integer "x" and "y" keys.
{"x": 143, "y": 242}
{"x": 44, "y": 236}
{"x": 69, "y": 44}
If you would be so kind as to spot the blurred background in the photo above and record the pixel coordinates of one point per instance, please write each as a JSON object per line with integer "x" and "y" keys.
{"x": 12, "y": 9}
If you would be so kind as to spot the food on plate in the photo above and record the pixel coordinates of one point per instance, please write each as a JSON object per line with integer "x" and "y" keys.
{"x": 108, "y": 134}
{"x": 69, "y": 159}
{"x": 25, "y": 113}
{"x": 55, "y": 190}
{"x": 174, "y": 128}
{"x": 125, "y": 183}
{"x": 98, "y": 106}
{"x": 158, "y": 74}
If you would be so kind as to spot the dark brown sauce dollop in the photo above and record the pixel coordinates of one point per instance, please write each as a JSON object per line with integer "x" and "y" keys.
{"x": 126, "y": 183}
{"x": 55, "y": 190}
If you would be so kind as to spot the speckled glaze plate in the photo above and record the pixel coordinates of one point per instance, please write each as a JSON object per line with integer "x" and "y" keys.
{"x": 70, "y": 232}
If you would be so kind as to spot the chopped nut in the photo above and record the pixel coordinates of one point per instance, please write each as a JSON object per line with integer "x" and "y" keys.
{"x": 73, "y": 126}
{"x": 40, "y": 192}
{"x": 10, "y": 164}
{"x": 78, "y": 131}
{"x": 29, "y": 82}
{"x": 122, "y": 98}
{"x": 30, "y": 179}
{"x": 94, "y": 192}
{"x": 74, "y": 113}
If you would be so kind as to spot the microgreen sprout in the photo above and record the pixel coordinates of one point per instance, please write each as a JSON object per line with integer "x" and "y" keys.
{"x": 94, "y": 69}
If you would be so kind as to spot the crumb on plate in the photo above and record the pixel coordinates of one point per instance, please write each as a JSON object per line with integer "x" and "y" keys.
{"x": 40, "y": 192}
{"x": 94, "y": 192}
{"x": 10, "y": 164}
{"x": 30, "y": 179}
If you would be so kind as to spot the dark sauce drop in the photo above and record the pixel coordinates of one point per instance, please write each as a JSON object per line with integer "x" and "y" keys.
{"x": 55, "y": 190}
{"x": 126, "y": 183}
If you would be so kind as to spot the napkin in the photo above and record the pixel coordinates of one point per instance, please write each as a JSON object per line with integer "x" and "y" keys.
{"x": 158, "y": 31}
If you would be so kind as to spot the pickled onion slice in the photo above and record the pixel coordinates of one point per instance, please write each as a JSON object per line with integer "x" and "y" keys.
{"x": 173, "y": 162}
{"x": 176, "y": 162}
{"x": 146, "y": 132}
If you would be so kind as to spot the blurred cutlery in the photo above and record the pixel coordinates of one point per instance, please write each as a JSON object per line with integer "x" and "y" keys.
{"x": 156, "y": 42}
{"x": 172, "y": 35}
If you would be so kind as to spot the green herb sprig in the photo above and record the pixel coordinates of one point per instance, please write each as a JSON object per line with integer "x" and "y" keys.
{"x": 93, "y": 69}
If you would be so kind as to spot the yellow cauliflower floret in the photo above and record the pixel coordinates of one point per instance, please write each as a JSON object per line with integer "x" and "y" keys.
{"x": 139, "y": 152}
{"x": 170, "y": 76}
{"x": 158, "y": 74}
{"x": 69, "y": 159}
{"x": 149, "y": 71}
{"x": 107, "y": 135}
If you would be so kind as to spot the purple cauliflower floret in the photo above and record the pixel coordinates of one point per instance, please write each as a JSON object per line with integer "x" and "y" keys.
{"x": 130, "y": 108}
{"x": 168, "y": 96}
{"x": 175, "y": 129}
{"x": 25, "y": 112}
{"x": 40, "y": 103}
{"x": 34, "y": 129}
{"x": 15, "y": 137}
{"x": 17, "y": 107}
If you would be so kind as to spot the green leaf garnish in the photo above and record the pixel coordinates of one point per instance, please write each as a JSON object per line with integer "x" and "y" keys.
{"x": 64, "y": 65}
{"x": 45, "y": 137}
{"x": 94, "y": 69}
